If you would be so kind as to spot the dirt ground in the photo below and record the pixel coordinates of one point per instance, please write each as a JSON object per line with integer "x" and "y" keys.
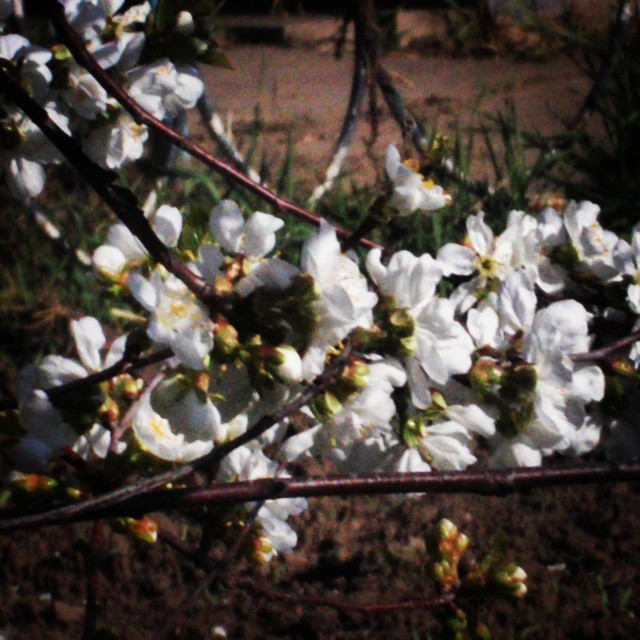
{"x": 301, "y": 93}
{"x": 579, "y": 546}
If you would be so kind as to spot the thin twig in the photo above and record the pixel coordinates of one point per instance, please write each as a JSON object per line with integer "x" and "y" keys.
{"x": 617, "y": 41}
{"x": 340, "y": 604}
{"x": 84, "y": 58}
{"x": 602, "y": 354}
{"x": 264, "y": 590}
{"x": 124, "y": 365}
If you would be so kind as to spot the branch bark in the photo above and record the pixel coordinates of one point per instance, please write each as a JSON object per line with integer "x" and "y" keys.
{"x": 84, "y": 58}
{"x": 484, "y": 483}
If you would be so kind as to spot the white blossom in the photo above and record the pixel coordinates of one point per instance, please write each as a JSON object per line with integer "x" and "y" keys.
{"x": 344, "y": 300}
{"x": 411, "y": 192}
{"x": 254, "y": 237}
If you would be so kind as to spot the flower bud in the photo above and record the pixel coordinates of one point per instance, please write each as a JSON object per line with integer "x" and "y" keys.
{"x": 622, "y": 366}
{"x": 226, "y": 340}
{"x": 185, "y": 25}
{"x": 109, "y": 411}
{"x": 261, "y": 550}
{"x": 446, "y": 547}
{"x": 401, "y": 323}
{"x": 144, "y": 530}
{"x": 412, "y": 431}
{"x": 326, "y": 406}
{"x": 355, "y": 375}
{"x": 109, "y": 263}
{"x": 510, "y": 581}
{"x": 33, "y": 484}
{"x": 287, "y": 367}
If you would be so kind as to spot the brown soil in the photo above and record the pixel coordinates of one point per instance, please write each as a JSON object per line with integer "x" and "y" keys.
{"x": 301, "y": 95}
{"x": 580, "y": 546}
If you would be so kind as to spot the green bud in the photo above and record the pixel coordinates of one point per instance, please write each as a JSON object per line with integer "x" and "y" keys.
{"x": 33, "y": 484}
{"x": 61, "y": 53}
{"x": 412, "y": 431}
{"x": 622, "y": 366}
{"x": 226, "y": 340}
{"x": 144, "y": 530}
{"x": 326, "y": 406}
{"x": 509, "y": 581}
{"x": 355, "y": 375}
{"x": 446, "y": 546}
{"x": 401, "y": 323}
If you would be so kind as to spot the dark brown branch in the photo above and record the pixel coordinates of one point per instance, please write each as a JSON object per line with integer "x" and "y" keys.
{"x": 486, "y": 483}
{"x": 84, "y": 58}
{"x": 121, "y": 201}
{"x": 207, "y": 110}
{"x": 264, "y": 590}
{"x": 602, "y": 354}
{"x": 617, "y": 41}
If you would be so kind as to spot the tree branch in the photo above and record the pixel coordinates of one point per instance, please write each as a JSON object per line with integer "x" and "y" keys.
{"x": 340, "y": 604}
{"x": 602, "y": 354}
{"x": 485, "y": 483}
{"x": 84, "y": 58}
{"x": 211, "y": 120}
{"x": 617, "y": 41}
{"x": 121, "y": 201}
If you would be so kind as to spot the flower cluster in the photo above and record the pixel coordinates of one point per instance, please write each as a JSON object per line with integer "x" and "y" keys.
{"x": 428, "y": 380}
{"x": 74, "y": 99}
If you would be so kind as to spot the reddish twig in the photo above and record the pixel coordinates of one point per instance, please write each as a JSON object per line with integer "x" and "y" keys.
{"x": 84, "y": 58}
{"x": 487, "y": 483}
{"x": 602, "y": 354}
{"x": 341, "y": 604}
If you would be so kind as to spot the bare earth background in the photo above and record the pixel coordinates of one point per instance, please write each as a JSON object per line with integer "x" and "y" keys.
{"x": 579, "y": 546}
